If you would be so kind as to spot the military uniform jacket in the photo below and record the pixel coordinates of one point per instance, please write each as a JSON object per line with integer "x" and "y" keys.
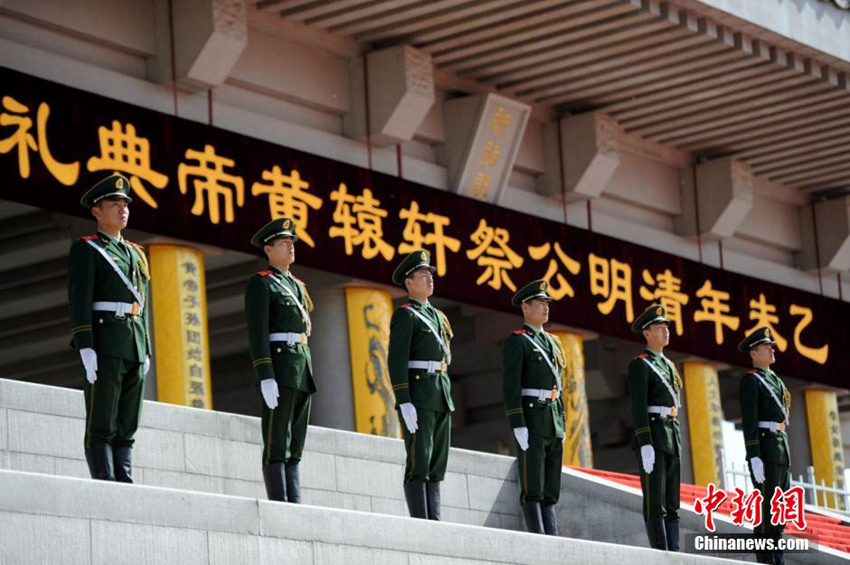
{"x": 92, "y": 279}
{"x": 270, "y": 309}
{"x": 646, "y": 389}
{"x": 412, "y": 340}
{"x": 523, "y": 366}
{"x": 757, "y": 404}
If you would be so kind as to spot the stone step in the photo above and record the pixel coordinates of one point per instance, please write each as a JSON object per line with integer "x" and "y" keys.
{"x": 51, "y": 519}
{"x": 42, "y": 428}
{"x": 202, "y": 451}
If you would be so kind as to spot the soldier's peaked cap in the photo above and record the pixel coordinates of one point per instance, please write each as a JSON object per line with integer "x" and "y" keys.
{"x": 416, "y": 260}
{"x": 281, "y": 227}
{"x": 113, "y": 186}
{"x": 534, "y": 289}
{"x": 653, "y": 314}
{"x": 756, "y": 337}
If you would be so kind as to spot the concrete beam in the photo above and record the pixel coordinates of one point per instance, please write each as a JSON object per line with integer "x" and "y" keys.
{"x": 588, "y": 156}
{"x": 483, "y": 135}
{"x": 209, "y": 37}
{"x": 831, "y": 241}
{"x": 400, "y": 94}
{"x": 724, "y": 197}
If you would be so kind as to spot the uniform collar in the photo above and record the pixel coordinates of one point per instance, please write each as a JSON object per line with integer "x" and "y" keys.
{"x": 534, "y": 330}
{"x": 652, "y": 353}
{"x": 417, "y": 303}
{"x": 280, "y": 272}
{"x": 107, "y": 237}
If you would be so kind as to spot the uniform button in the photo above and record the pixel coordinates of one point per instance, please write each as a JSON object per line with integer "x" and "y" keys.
{"x": 417, "y": 377}
{"x": 278, "y": 349}
{"x": 100, "y": 321}
{"x": 762, "y": 433}
{"x": 531, "y": 405}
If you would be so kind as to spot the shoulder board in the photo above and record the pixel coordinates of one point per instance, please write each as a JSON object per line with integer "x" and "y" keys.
{"x": 521, "y": 332}
{"x": 753, "y": 372}
{"x": 264, "y": 273}
{"x": 89, "y": 238}
{"x": 642, "y": 356}
{"x": 406, "y": 305}
{"x": 299, "y": 281}
{"x": 136, "y": 245}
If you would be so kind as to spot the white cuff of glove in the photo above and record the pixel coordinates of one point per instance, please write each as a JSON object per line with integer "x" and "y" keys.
{"x": 757, "y": 465}
{"x": 408, "y": 414}
{"x": 647, "y": 456}
{"x": 521, "y": 435}
{"x": 147, "y": 364}
{"x": 270, "y": 392}
{"x": 89, "y": 359}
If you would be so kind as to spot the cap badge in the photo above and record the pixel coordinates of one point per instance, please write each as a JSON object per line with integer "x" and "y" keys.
{"x": 119, "y": 184}
{"x": 659, "y": 311}
{"x": 286, "y": 225}
{"x": 767, "y": 332}
{"x": 424, "y": 255}
{"x": 543, "y": 285}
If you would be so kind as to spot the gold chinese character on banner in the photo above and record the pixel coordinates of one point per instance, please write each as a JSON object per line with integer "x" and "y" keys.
{"x": 288, "y": 197}
{"x": 563, "y": 288}
{"x": 494, "y": 254}
{"x": 360, "y": 220}
{"x": 15, "y": 114}
{"x": 668, "y": 291}
{"x": 413, "y": 238}
{"x": 123, "y": 151}
{"x": 501, "y": 120}
{"x": 764, "y": 314}
{"x": 480, "y": 186}
{"x": 715, "y": 309}
{"x": 490, "y": 154}
{"x": 611, "y": 280}
{"x": 817, "y": 354}
{"x": 210, "y": 178}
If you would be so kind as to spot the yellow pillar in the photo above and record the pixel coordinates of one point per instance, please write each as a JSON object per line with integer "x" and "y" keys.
{"x": 369, "y": 312}
{"x": 705, "y": 414}
{"x": 577, "y": 449}
{"x": 825, "y": 440}
{"x": 181, "y": 339}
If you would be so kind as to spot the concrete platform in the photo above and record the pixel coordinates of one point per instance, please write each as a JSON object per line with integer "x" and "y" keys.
{"x": 199, "y": 451}
{"x": 57, "y": 520}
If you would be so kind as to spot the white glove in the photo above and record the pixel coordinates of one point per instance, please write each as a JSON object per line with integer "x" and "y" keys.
{"x": 757, "y": 466}
{"x": 270, "y": 392}
{"x": 147, "y": 364}
{"x": 89, "y": 357}
{"x": 647, "y": 455}
{"x": 411, "y": 420}
{"x": 521, "y": 435}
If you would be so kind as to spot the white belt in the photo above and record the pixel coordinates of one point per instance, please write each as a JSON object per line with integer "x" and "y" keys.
{"x": 288, "y": 337}
{"x": 666, "y": 411}
{"x": 541, "y": 394}
{"x": 430, "y": 366}
{"x": 121, "y": 309}
{"x": 773, "y": 426}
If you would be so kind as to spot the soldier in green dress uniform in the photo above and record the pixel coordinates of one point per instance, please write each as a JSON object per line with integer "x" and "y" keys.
{"x": 108, "y": 296}
{"x": 418, "y": 359}
{"x": 277, "y": 308}
{"x": 765, "y": 405}
{"x": 655, "y": 391}
{"x": 533, "y": 362}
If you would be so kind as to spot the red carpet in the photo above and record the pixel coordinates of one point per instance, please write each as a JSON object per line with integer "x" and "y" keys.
{"x": 828, "y": 531}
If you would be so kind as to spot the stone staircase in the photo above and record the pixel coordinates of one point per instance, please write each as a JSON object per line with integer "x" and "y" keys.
{"x": 199, "y": 498}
